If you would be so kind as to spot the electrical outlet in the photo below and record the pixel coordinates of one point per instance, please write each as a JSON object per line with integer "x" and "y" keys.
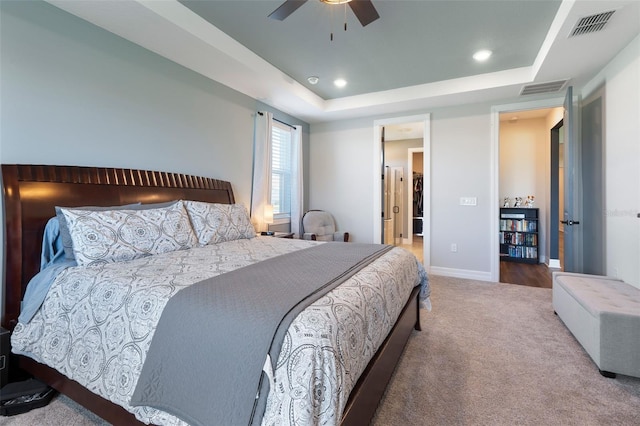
{"x": 454, "y": 247}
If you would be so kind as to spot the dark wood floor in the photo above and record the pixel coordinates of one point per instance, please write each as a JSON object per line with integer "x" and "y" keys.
{"x": 538, "y": 275}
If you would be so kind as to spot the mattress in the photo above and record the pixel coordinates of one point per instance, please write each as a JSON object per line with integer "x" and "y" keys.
{"x": 96, "y": 325}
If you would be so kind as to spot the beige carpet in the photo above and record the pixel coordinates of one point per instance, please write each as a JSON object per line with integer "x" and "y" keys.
{"x": 489, "y": 354}
{"x": 495, "y": 354}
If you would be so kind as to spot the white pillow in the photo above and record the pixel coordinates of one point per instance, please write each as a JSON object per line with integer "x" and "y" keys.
{"x": 120, "y": 235}
{"x": 215, "y": 223}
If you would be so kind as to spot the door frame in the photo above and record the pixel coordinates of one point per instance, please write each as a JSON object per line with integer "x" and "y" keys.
{"x": 425, "y": 119}
{"x": 495, "y": 171}
{"x": 554, "y": 203}
{"x": 410, "y": 152}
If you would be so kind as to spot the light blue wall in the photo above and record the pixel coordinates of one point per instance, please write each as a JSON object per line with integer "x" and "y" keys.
{"x": 74, "y": 94}
{"x": 459, "y": 165}
{"x": 621, "y": 82}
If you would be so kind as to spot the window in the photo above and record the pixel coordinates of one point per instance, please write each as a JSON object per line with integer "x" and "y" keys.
{"x": 281, "y": 170}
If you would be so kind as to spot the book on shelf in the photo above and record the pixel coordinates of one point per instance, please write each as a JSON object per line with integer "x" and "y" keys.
{"x": 518, "y": 238}
{"x": 523, "y": 252}
{"x": 512, "y": 215}
{"x": 520, "y": 225}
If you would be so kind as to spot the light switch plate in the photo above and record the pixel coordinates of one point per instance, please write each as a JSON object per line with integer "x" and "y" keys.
{"x": 468, "y": 201}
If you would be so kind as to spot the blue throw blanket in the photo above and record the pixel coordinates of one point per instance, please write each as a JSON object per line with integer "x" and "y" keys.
{"x": 52, "y": 262}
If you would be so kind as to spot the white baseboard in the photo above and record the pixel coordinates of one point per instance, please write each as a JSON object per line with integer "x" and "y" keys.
{"x": 460, "y": 273}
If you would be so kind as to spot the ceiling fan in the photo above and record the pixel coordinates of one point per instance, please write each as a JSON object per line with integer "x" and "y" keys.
{"x": 363, "y": 9}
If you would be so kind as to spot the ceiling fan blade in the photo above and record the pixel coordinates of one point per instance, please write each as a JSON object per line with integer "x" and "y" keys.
{"x": 364, "y": 11}
{"x": 286, "y": 9}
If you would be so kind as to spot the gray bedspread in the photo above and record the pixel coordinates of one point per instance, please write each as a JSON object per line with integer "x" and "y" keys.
{"x": 229, "y": 323}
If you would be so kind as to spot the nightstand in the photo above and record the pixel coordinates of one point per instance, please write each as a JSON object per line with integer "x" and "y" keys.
{"x": 10, "y": 372}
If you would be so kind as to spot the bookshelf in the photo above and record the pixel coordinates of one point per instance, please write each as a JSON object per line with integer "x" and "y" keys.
{"x": 519, "y": 234}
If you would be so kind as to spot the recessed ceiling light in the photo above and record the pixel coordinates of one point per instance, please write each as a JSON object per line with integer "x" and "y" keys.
{"x": 313, "y": 80}
{"x": 482, "y": 55}
{"x": 340, "y": 82}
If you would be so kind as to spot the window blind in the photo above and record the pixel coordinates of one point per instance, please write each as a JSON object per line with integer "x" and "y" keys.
{"x": 281, "y": 170}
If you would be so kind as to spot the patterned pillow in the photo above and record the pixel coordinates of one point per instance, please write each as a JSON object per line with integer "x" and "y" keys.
{"x": 215, "y": 223}
{"x": 120, "y": 235}
{"x": 67, "y": 243}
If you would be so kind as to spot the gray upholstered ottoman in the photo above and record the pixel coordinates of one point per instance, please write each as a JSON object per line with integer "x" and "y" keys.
{"x": 603, "y": 313}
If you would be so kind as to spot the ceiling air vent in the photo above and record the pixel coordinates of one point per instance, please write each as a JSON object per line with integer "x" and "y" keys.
{"x": 534, "y": 89}
{"x": 591, "y": 24}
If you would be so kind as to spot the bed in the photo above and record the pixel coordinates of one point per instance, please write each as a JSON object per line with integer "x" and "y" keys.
{"x": 32, "y": 191}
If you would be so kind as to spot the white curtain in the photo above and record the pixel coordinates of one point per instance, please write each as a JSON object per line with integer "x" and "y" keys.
{"x": 296, "y": 182}
{"x": 261, "y": 188}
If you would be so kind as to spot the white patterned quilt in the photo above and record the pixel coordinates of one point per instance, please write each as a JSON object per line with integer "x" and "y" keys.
{"x": 96, "y": 324}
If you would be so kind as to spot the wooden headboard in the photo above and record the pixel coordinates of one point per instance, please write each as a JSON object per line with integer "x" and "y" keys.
{"x": 31, "y": 191}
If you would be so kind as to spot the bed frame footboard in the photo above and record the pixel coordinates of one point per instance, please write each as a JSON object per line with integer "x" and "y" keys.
{"x": 369, "y": 390}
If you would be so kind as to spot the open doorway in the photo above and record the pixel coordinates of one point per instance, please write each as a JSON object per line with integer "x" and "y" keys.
{"x": 403, "y": 181}
{"x": 583, "y": 215}
{"x": 556, "y": 206}
{"x": 394, "y": 210}
{"x": 401, "y": 140}
{"x": 526, "y": 189}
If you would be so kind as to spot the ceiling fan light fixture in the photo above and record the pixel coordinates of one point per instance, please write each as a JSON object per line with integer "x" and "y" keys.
{"x": 313, "y": 80}
{"x": 335, "y": 1}
{"x": 364, "y": 10}
{"x": 482, "y": 55}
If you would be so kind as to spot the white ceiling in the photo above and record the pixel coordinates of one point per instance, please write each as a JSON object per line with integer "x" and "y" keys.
{"x": 417, "y": 56}
{"x": 404, "y": 131}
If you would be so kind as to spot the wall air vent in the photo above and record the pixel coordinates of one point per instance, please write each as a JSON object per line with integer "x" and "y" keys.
{"x": 591, "y": 24}
{"x": 551, "y": 86}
